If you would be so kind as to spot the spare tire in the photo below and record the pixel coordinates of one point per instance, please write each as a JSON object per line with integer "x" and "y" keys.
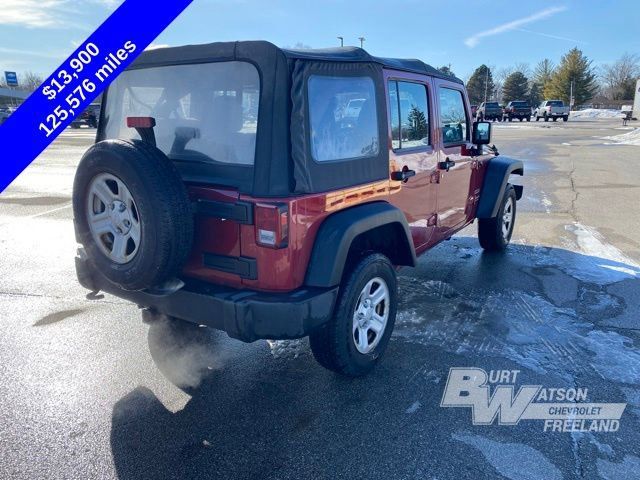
{"x": 132, "y": 213}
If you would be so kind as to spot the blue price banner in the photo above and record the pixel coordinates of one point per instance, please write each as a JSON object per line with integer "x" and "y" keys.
{"x": 79, "y": 80}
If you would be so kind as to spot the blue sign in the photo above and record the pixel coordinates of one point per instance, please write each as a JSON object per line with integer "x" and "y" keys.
{"x": 79, "y": 80}
{"x": 11, "y": 78}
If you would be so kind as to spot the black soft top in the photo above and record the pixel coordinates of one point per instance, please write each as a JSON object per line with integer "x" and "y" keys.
{"x": 283, "y": 160}
{"x": 220, "y": 51}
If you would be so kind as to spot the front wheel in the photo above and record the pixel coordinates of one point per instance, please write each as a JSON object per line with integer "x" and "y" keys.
{"x": 495, "y": 233}
{"x": 353, "y": 341}
{"x": 565, "y": 118}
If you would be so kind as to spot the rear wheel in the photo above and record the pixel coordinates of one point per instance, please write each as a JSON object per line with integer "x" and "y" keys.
{"x": 565, "y": 118}
{"x": 358, "y": 334}
{"x": 537, "y": 118}
{"x": 546, "y": 117}
{"x": 495, "y": 233}
{"x": 555, "y": 119}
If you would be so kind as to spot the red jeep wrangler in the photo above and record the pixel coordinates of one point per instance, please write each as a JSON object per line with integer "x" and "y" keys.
{"x": 273, "y": 193}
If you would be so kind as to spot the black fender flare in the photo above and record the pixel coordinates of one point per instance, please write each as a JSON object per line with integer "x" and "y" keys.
{"x": 496, "y": 179}
{"x": 337, "y": 233}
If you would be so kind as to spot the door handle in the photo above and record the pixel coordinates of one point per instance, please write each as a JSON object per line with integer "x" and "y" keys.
{"x": 403, "y": 175}
{"x": 447, "y": 164}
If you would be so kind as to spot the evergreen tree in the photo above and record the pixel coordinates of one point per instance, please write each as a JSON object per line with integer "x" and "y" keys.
{"x": 574, "y": 67}
{"x": 516, "y": 87}
{"x": 535, "y": 95}
{"x": 480, "y": 82}
{"x": 446, "y": 70}
{"x": 418, "y": 127}
{"x": 543, "y": 73}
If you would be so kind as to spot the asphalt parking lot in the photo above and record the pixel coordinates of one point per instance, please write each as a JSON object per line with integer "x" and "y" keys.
{"x": 82, "y": 395}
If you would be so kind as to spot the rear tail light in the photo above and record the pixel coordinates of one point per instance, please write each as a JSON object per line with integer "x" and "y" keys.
{"x": 272, "y": 225}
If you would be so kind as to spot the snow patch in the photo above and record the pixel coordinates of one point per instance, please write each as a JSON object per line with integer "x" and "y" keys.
{"x": 630, "y": 138}
{"x": 591, "y": 113}
{"x": 415, "y": 406}
{"x": 608, "y": 260}
{"x": 288, "y": 349}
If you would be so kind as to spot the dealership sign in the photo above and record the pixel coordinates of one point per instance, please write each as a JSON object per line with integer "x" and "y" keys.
{"x": 492, "y": 396}
{"x": 79, "y": 80}
{"x": 11, "y": 78}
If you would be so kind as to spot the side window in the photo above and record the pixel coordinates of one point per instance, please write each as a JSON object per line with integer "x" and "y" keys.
{"x": 409, "y": 107}
{"x": 343, "y": 118}
{"x": 453, "y": 118}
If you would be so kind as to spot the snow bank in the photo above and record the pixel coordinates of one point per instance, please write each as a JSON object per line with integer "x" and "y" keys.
{"x": 630, "y": 138}
{"x": 590, "y": 113}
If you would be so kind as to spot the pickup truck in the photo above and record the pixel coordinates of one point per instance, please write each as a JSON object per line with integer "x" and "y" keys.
{"x": 517, "y": 109}
{"x": 489, "y": 111}
{"x": 551, "y": 109}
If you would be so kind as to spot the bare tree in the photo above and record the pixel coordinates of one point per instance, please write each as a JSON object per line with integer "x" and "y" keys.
{"x": 29, "y": 81}
{"x": 522, "y": 67}
{"x": 619, "y": 78}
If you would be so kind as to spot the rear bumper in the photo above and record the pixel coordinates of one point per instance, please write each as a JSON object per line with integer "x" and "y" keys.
{"x": 244, "y": 314}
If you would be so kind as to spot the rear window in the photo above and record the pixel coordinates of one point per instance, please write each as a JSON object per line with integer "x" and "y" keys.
{"x": 555, "y": 103}
{"x": 519, "y": 104}
{"x": 492, "y": 104}
{"x": 343, "y": 118}
{"x": 205, "y": 113}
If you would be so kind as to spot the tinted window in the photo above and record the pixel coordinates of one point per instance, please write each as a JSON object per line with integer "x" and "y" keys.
{"x": 519, "y": 104}
{"x": 555, "y": 103}
{"x": 453, "y": 119}
{"x": 493, "y": 104}
{"x": 343, "y": 118}
{"x": 205, "y": 113}
{"x": 409, "y": 115}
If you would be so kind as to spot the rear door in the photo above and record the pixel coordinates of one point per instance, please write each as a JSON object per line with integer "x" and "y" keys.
{"x": 411, "y": 132}
{"x": 455, "y": 165}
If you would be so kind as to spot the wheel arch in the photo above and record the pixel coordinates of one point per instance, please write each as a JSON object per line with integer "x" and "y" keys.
{"x": 344, "y": 235}
{"x": 496, "y": 180}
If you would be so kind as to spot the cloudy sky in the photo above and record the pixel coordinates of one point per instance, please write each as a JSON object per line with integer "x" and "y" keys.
{"x": 37, "y": 35}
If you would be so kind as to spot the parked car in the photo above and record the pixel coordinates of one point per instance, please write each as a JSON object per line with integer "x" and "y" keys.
{"x": 474, "y": 110}
{"x": 6, "y": 112}
{"x": 489, "y": 111}
{"x": 553, "y": 109}
{"x": 294, "y": 224}
{"x": 517, "y": 109}
{"x": 88, "y": 117}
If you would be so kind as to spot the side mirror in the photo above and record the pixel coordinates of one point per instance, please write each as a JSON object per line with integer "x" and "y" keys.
{"x": 481, "y": 133}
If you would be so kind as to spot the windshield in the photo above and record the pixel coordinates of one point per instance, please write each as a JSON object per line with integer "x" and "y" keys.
{"x": 205, "y": 113}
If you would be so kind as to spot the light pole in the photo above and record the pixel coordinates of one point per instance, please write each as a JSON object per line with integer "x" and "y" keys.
{"x": 341, "y": 41}
{"x": 362, "y": 39}
{"x": 571, "y": 96}
{"x": 486, "y": 82}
